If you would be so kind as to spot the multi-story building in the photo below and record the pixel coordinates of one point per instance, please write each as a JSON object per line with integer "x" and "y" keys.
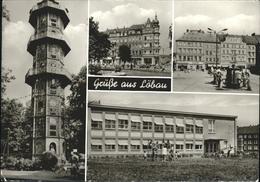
{"x": 197, "y": 49}
{"x": 142, "y": 39}
{"x": 248, "y": 138}
{"x": 115, "y": 130}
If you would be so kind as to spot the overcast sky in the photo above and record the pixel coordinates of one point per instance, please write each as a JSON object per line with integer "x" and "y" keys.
{"x": 246, "y": 107}
{"x": 240, "y": 17}
{"x": 120, "y": 13}
{"x": 17, "y": 33}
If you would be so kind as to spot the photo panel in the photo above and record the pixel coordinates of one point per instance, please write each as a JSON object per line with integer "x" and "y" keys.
{"x": 216, "y": 46}
{"x": 129, "y": 45}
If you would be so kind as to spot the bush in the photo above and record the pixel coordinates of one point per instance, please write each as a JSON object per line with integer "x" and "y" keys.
{"x": 49, "y": 160}
{"x": 10, "y": 163}
{"x": 94, "y": 69}
{"x": 118, "y": 68}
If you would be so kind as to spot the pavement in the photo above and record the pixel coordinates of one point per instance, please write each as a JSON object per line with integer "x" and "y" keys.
{"x": 199, "y": 81}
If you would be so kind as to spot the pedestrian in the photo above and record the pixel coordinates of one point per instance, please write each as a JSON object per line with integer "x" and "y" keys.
{"x": 247, "y": 77}
{"x": 164, "y": 152}
{"x": 171, "y": 152}
{"x": 145, "y": 155}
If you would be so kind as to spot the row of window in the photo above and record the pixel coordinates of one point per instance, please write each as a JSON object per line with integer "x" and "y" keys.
{"x": 112, "y": 147}
{"x": 147, "y": 126}
{"x": 249, "y": 147}
{"x": 250, "y": 142}
{"x": 248, "y": 136}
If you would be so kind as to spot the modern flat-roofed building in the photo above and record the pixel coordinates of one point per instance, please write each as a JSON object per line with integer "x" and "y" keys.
{"x": 248, "y": 138}
{"x": 116, "y": 130}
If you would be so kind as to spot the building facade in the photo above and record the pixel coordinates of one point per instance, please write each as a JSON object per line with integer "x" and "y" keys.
{"x": 197, "y": 49}
{"x": 47, "y": 77}
{"x": 248, "y": 138}
{"x": 114, "y": 130}
{"x": 142, "y": 39}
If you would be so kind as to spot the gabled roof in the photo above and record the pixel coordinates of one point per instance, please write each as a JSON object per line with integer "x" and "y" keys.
{"x": 248, "y": 129}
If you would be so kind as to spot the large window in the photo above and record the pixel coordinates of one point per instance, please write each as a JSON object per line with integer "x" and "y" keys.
{"x": 135, "y": 125}
{"x": 211, "y": 126}
{"x": 96, "y": 125}
{"x": 179, "y": 129}
{"x": 96, "y": 147}
{"x": 169, "y": 128}
{"x": 110, "y": 147}
{"x": 135, "y": 147}
{"x": 147, "y": 126}
{"x": 53, "y": 126}
{"x": 198, "y": 147}
{"x": 189, "y": 128}
{"x": 122, "y": 147}
{"x": 158, "y": 128}
{"x": 179, "y": 146}
{"x": 189, "y": 146}
{"x": 110, "y": 124}
{"x": 199, "y": 129}
{"x": 122, "y": 124}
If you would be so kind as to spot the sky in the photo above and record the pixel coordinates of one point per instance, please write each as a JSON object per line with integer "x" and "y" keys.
{"x": 16, "y": 33}
{"x": 238, "y": 16}
{"x": 246, "y": 107}
{"x": 119, "y": 13}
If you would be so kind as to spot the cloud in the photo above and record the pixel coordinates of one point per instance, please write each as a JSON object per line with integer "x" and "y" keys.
{"x": 120, "y": 16}
{"x": 192, "y": 19}
{"x": 236, "y": 24}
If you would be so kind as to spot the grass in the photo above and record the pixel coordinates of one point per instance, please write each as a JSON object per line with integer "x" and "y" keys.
{"x": 185, "y": 169}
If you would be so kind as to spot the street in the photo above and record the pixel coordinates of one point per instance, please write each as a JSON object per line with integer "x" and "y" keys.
{"x": 199, "y": 81}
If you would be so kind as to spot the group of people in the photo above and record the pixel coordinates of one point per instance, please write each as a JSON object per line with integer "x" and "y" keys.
{"x": 167, "y": 151}
{"x": 236, "y": 78}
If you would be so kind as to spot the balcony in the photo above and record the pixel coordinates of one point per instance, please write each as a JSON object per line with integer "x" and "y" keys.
{"x": 59, "y": 73}
{"x": 48, "y": 37}
{"x": 48, "y": 6}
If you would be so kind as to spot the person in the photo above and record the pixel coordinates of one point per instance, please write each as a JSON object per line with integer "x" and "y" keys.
{"x": 247, "y": 77}
{"x": 145, "y": 155}
{"x": 164, "y": 152}
{"x": 171, "y": 152}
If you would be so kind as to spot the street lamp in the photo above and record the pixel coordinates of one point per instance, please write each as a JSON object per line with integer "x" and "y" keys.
{"x": 215, "y": 32}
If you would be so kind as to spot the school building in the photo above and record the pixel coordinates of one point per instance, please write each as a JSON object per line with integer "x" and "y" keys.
{"x": 116, "y": 130}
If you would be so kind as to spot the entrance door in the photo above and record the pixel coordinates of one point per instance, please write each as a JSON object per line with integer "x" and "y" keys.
{"x": 211, "y": 146}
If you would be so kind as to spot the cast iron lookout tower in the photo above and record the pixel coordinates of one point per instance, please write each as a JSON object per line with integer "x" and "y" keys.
{"x": 47, "y": 77}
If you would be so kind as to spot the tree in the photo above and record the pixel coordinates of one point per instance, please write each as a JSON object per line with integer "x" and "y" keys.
{"x": 75, "y": 120}
{"x": 6, "y": 78}
{"x": 125, "y": 54}
{"x": 99, "y": 45}
{"x": 5, "y": 12}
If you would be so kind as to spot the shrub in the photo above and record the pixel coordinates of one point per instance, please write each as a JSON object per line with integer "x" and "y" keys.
{"x": 49, "y": 160}
{"x": 10, "y": 162}
{"x": 37, "y": 164}
{"x": 94, "y": 69}
{"x": 118, "y": 68}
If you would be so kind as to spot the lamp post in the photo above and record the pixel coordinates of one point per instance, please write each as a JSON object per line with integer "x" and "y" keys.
{"x": 215, "y": 32}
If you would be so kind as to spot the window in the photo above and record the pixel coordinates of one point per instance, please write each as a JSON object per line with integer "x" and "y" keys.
{"x": 135, "y": 125}
{"x": 135, "y": 147}
{"x": 245, "y": 142}
{"x": 198, "y": 147}
{"x": 147, "y": 126}
{"x": 245, "y": 136}
{"x": 189, "y": 128}
{"x": 179, "y": 146}
{"x": 158, "y": 128}
{"x": 189, "y": 146}
{"x": 53, "y": 127}
{"x": 169, "y": 128}
{"x": 255, "y": 147}
{"x": 211, "y": 126}
{"x": 199, "y": 129}
{"x": 110, "y": 124}
{"x": 110, "y": 147}
{"x": 179, "y": 129}
{"x": 255, "y": 141}
{"x": 249, "y": 142}
{"x": 122, "y": 147}
{"x": 123, "y": 124}
{"x": 96, "y": 125}
{"x": 249, "y": 136}
{"x": 96, "y": 147}
{"x": 249, "y": 147}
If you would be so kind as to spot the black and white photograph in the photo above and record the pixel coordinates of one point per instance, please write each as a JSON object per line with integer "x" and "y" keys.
{"x": 172, "y": 137}
{"x": 43, "y": 90}
{"x": 130, "y": 38}
{"x": 216, "y": 46}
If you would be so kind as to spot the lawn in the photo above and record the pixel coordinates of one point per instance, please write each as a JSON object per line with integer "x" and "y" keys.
{"x": 185, "y": 169}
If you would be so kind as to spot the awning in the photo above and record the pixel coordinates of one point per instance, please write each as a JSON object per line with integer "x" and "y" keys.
{"x": 169, "y": 121}
{"x": 158, "y": 120}
{"x": 145, "y": 142}
{"x": 123, "y": 116}
{"x": 179, "y": 122}
{"x": 189, "y": 121}
{"x": 122, "y": 142}
{"x": 199, "y": 142}
{"x": 147, "y": 118}
{"x": 135, "y": 142}
{"x": 179, "y": 142}
{"x": 135, "y": 118}
{"x": 110, "y": 142}
{"x": 188, "y": 142}
{"x": 96, "y": 142}
{"x": 199, "y": 123}
{"x": 96, "y": 116}
{"x": 110, "y": 116}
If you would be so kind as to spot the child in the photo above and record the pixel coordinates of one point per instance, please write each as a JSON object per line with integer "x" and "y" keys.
{"x": 145, "y": 155}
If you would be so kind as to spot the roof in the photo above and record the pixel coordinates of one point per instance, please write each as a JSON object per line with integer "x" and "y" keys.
{"x": 248, "y": 129}
{"x": 219, "y": 116}
{"x": 253, "y": 40}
